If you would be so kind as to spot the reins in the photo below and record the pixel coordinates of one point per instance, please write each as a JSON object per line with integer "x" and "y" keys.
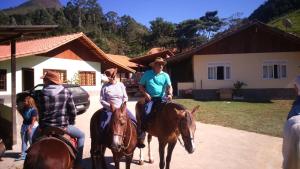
{"x": 130, "y": 135}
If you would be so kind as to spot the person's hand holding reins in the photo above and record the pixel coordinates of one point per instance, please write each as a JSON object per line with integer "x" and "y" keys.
{"x": 147, "y": 97}
{"x": 169, "y": 97}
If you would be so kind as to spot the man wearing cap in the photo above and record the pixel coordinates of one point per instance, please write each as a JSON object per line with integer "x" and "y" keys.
{"x": 156, "y": 87}
{"x": 57, "y": 108}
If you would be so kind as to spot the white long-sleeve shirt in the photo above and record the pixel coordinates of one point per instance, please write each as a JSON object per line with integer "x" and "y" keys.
{"x": 113, "y": 93}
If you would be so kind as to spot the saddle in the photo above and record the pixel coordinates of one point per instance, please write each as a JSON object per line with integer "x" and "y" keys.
{"x": 51, "y": 132}
{"x": 147, "y": 120}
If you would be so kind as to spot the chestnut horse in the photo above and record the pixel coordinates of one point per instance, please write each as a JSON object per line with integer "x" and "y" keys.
{"x": 48, "y": 153}
{"x": 121, "y": 138}
{"x": 168, "y": 123}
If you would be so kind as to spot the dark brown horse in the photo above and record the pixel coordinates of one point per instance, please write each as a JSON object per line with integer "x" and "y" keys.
{"x": 49, "y": 153}
{"x": 121, "y": 138}
{"x": 168, "y": 123}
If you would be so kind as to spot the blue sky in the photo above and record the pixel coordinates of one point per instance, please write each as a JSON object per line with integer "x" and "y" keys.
{"x": 171, "y": 10}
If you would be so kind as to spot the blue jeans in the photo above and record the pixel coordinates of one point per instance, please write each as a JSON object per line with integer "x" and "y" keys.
{"x": 106, "y": 117}
{"x": 295, "y": 110}
{"x": 26, "y": 137}
{"x": 76, "y": 133}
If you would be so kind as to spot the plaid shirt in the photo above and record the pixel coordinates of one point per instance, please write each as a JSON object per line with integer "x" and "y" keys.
{"x": 56, "y": 110}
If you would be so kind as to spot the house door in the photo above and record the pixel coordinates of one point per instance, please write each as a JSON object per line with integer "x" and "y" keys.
{"x": 27, "y": 78}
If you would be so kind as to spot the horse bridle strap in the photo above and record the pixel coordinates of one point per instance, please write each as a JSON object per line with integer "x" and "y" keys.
{"x": 182, "y": 135}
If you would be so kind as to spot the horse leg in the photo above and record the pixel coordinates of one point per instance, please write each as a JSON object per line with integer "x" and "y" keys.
{"x": 162, "y": 146}
{"x": 128, "y": 161}
{"x": 102, "y": 159}
{"x": 151, "y": 159}
{"x": 169, "y": 155}
{"x": 116, "y": 157}
{"x": 93, "y": 153}
{"x": 141, "y": 161}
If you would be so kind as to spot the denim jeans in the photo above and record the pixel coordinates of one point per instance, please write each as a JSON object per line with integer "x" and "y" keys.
{"x": 26, "y": 137}
{"x": 76, "y": 133}
{"x": 106, "y": 117}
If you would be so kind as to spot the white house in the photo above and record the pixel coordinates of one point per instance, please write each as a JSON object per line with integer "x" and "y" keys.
{"x": 74, "y": 56}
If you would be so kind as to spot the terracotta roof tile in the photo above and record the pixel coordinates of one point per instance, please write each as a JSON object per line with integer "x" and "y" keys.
{"x": 124, "y": 60}
{"x": 43, "y": 45}
{"x": 37, "y": 46}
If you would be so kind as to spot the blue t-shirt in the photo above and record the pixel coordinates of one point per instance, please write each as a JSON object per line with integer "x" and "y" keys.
{"x": 155, "y": 83}
{"x": 28, "y": 114}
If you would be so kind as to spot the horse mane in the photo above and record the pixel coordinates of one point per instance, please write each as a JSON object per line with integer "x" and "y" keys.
{"x": 178, "y": 106}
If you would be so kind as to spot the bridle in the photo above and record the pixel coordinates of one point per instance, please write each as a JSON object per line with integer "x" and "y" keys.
{"x": 183, "y": 136}
{"x": 123, "y": 138}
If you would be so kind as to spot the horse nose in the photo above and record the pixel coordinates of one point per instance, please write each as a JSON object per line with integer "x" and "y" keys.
{"x": 191, "y": 151}
{"x": 116, "y": 145}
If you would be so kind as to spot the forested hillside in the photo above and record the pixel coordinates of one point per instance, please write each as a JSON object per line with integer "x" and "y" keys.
{"x": 273, "y": 9}
{"x": 294, "y": 17}
{"x": 113, "y": 33}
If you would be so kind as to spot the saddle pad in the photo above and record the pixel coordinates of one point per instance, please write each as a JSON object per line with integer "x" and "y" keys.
{"x": 71, "y": 149}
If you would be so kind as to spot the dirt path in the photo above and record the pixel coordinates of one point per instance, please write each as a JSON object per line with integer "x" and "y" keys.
{"x": 216, "y": 148}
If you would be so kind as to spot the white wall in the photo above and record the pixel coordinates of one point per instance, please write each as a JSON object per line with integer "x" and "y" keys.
{"x": 246, "y": 67}
{"x": 38, "y": 63}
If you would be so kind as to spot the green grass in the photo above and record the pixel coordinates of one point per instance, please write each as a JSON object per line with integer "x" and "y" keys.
{"x": 294, "y": 17}
{"x": 265, "y": 118}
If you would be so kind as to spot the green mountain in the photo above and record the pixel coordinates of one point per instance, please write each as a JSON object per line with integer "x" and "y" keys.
{"x": 33, "y": 5}
{"x": 272, "y": 9}
{"x": 294, "y": 17}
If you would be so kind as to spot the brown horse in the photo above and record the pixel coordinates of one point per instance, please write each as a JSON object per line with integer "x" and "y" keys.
{"x": 48, "y": 153}
{"x": 121, "y": 138}
{"x": 168, "y": 123}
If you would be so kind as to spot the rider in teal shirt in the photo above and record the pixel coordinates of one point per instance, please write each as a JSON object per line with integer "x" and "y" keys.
{"x": 156, "y": 86}
{"x": 155, "y": 83}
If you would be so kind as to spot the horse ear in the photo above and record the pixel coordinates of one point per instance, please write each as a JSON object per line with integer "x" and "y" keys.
{"x": 195, "y": 110}
{"x": 124, "y": 106}
{"x": 181, "y": 113}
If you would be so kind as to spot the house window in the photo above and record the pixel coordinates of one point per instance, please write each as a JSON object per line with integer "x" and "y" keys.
{"x": 274, "y": 70}
{"x": 87, "y": 78}
{"x": 2, "y": 80}
{"x": 62, "y": 74}
{"x": 219, "y": 71}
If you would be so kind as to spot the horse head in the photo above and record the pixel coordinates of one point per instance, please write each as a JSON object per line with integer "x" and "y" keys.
{"x": 187, "y": 128}
{"x": 119, "y": 125}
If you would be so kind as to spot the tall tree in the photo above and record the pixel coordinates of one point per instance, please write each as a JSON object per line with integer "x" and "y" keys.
{"x": 162, "y": 33}
{"x": 211, "y": 23}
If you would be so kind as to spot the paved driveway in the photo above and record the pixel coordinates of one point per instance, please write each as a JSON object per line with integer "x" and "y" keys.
{"x": 216, "y": 148}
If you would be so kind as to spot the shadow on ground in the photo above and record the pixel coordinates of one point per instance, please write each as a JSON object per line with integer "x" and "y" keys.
{"x": 11, "y": 155}
{"x": 87, "y": 163}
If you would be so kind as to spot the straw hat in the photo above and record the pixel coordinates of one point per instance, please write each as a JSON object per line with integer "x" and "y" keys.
{"x": 112, "y": 72}
{"x": 158, "y": 60}
{"x": 52, "y": 76}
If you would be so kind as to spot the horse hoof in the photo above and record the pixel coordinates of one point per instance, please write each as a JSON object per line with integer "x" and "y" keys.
{"x": 141, "y": 162}
{"x": 151, "y": 161}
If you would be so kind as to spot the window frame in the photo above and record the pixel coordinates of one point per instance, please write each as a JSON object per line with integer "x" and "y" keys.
{"x": 94, "y": 80}
{"x": 5, "y": 80}
{"x": 214, "y": 70}
{"x": 271, "y": 64}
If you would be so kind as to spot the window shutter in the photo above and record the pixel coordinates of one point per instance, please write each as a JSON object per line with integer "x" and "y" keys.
{"x": 283, "y": 71}
{"x": 228, "y": 75}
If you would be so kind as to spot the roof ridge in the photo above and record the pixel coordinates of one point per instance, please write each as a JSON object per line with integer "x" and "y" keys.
{"x": 46, "y": 38}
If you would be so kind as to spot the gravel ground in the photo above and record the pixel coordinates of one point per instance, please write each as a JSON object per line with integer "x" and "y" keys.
{"x": 216, "y": 148}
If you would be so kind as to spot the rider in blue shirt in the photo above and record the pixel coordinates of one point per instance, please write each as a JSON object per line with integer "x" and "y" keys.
{"x": 156, "y": 86}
